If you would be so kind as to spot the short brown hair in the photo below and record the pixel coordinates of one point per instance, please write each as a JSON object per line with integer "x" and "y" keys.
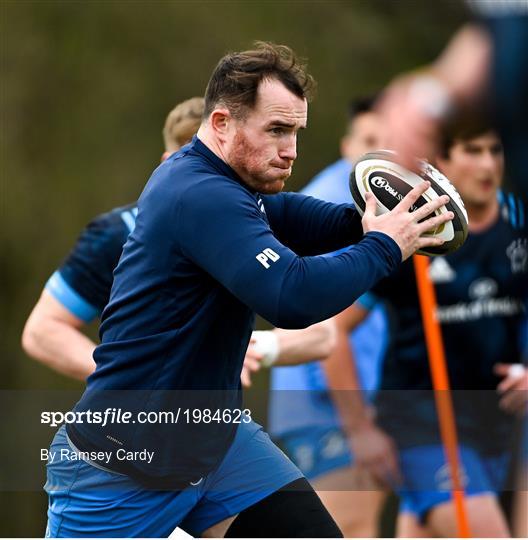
{"x": 182, "y": 123}
{"x": 235, "y": 80}
{"x": 462, "y": 129}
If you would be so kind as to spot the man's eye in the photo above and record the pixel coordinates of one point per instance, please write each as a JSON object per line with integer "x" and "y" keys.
{"x": 277, "y": 131}
{"x": 496, "y": 149}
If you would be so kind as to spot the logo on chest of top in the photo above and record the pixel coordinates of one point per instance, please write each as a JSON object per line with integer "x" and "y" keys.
{"x": 440, "y": 271}
{"x": 261, "y": 205}
{"x": 483, "y": 288}
{"x": 517, "y": 252}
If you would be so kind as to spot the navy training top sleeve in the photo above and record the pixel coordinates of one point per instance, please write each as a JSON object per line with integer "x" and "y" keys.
{"x": 310, "y": 226}
{"x": 82, "y": 283}
{"x": 238, "y": 248}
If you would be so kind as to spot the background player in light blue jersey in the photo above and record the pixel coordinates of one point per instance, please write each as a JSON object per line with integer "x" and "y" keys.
{"x": 481, "y": 291}
{"x": 78, "y": 291}
{"x": 302, "y": 414}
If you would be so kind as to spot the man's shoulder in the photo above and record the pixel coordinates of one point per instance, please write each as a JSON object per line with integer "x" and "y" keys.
{"x": 108, "y": 231}
{"x": 82, "y": 283}
{"x": 116, "y": 217}
{"x": 194, "y": 178}
{"x": 186, "y": 173}
{"x": 215, "y": 196}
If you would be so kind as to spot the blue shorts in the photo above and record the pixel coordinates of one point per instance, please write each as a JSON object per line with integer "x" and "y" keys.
{"x": 318, "y": 451}
{"x": 427, "y": 482}
{"x": 87, "y": 501}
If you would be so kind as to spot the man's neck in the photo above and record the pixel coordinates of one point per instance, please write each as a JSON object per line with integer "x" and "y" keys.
{"x": 482, "y": 217}
{"x": 206, "y": 138}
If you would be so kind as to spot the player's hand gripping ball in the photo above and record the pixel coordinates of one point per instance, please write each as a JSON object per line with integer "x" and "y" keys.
{"x": 389, "y": 182}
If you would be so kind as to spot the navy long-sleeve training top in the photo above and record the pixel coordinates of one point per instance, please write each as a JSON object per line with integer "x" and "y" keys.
{"x": 207, "y": 253}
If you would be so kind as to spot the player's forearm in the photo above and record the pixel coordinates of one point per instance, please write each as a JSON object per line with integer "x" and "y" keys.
{"x": 318, "y": 288}
{"x": 464, "y": 64}
{"x": 59, "y": 346}
{"x": 299, "y": 346}
{"x": 344, "y": 387}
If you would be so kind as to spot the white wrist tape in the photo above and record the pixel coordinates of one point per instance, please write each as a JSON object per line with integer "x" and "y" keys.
{"x": 516, "y": 371}
{"x": 267, "y": 344}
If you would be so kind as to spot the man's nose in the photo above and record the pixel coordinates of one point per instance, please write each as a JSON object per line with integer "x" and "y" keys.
{"x": 489, "y": 161}
{"x": 289, "y": 149}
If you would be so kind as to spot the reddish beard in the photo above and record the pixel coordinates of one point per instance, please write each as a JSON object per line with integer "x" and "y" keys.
{"x": 248, "y": 162}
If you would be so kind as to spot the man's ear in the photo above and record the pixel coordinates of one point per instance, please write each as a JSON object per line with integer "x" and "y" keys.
{"x": 219, "y": 121}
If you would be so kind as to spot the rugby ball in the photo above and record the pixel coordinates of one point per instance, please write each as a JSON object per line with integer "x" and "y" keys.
{"x": 389, "y": 182}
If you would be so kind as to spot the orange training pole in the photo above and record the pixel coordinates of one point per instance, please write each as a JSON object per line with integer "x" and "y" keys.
{"x": 444, "y": 405}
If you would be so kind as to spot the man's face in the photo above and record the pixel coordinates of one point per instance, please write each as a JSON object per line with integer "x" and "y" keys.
{"x": 262, "y": 146}
{"x": 364, "y": 135}
{"x": 475, "y": 166}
